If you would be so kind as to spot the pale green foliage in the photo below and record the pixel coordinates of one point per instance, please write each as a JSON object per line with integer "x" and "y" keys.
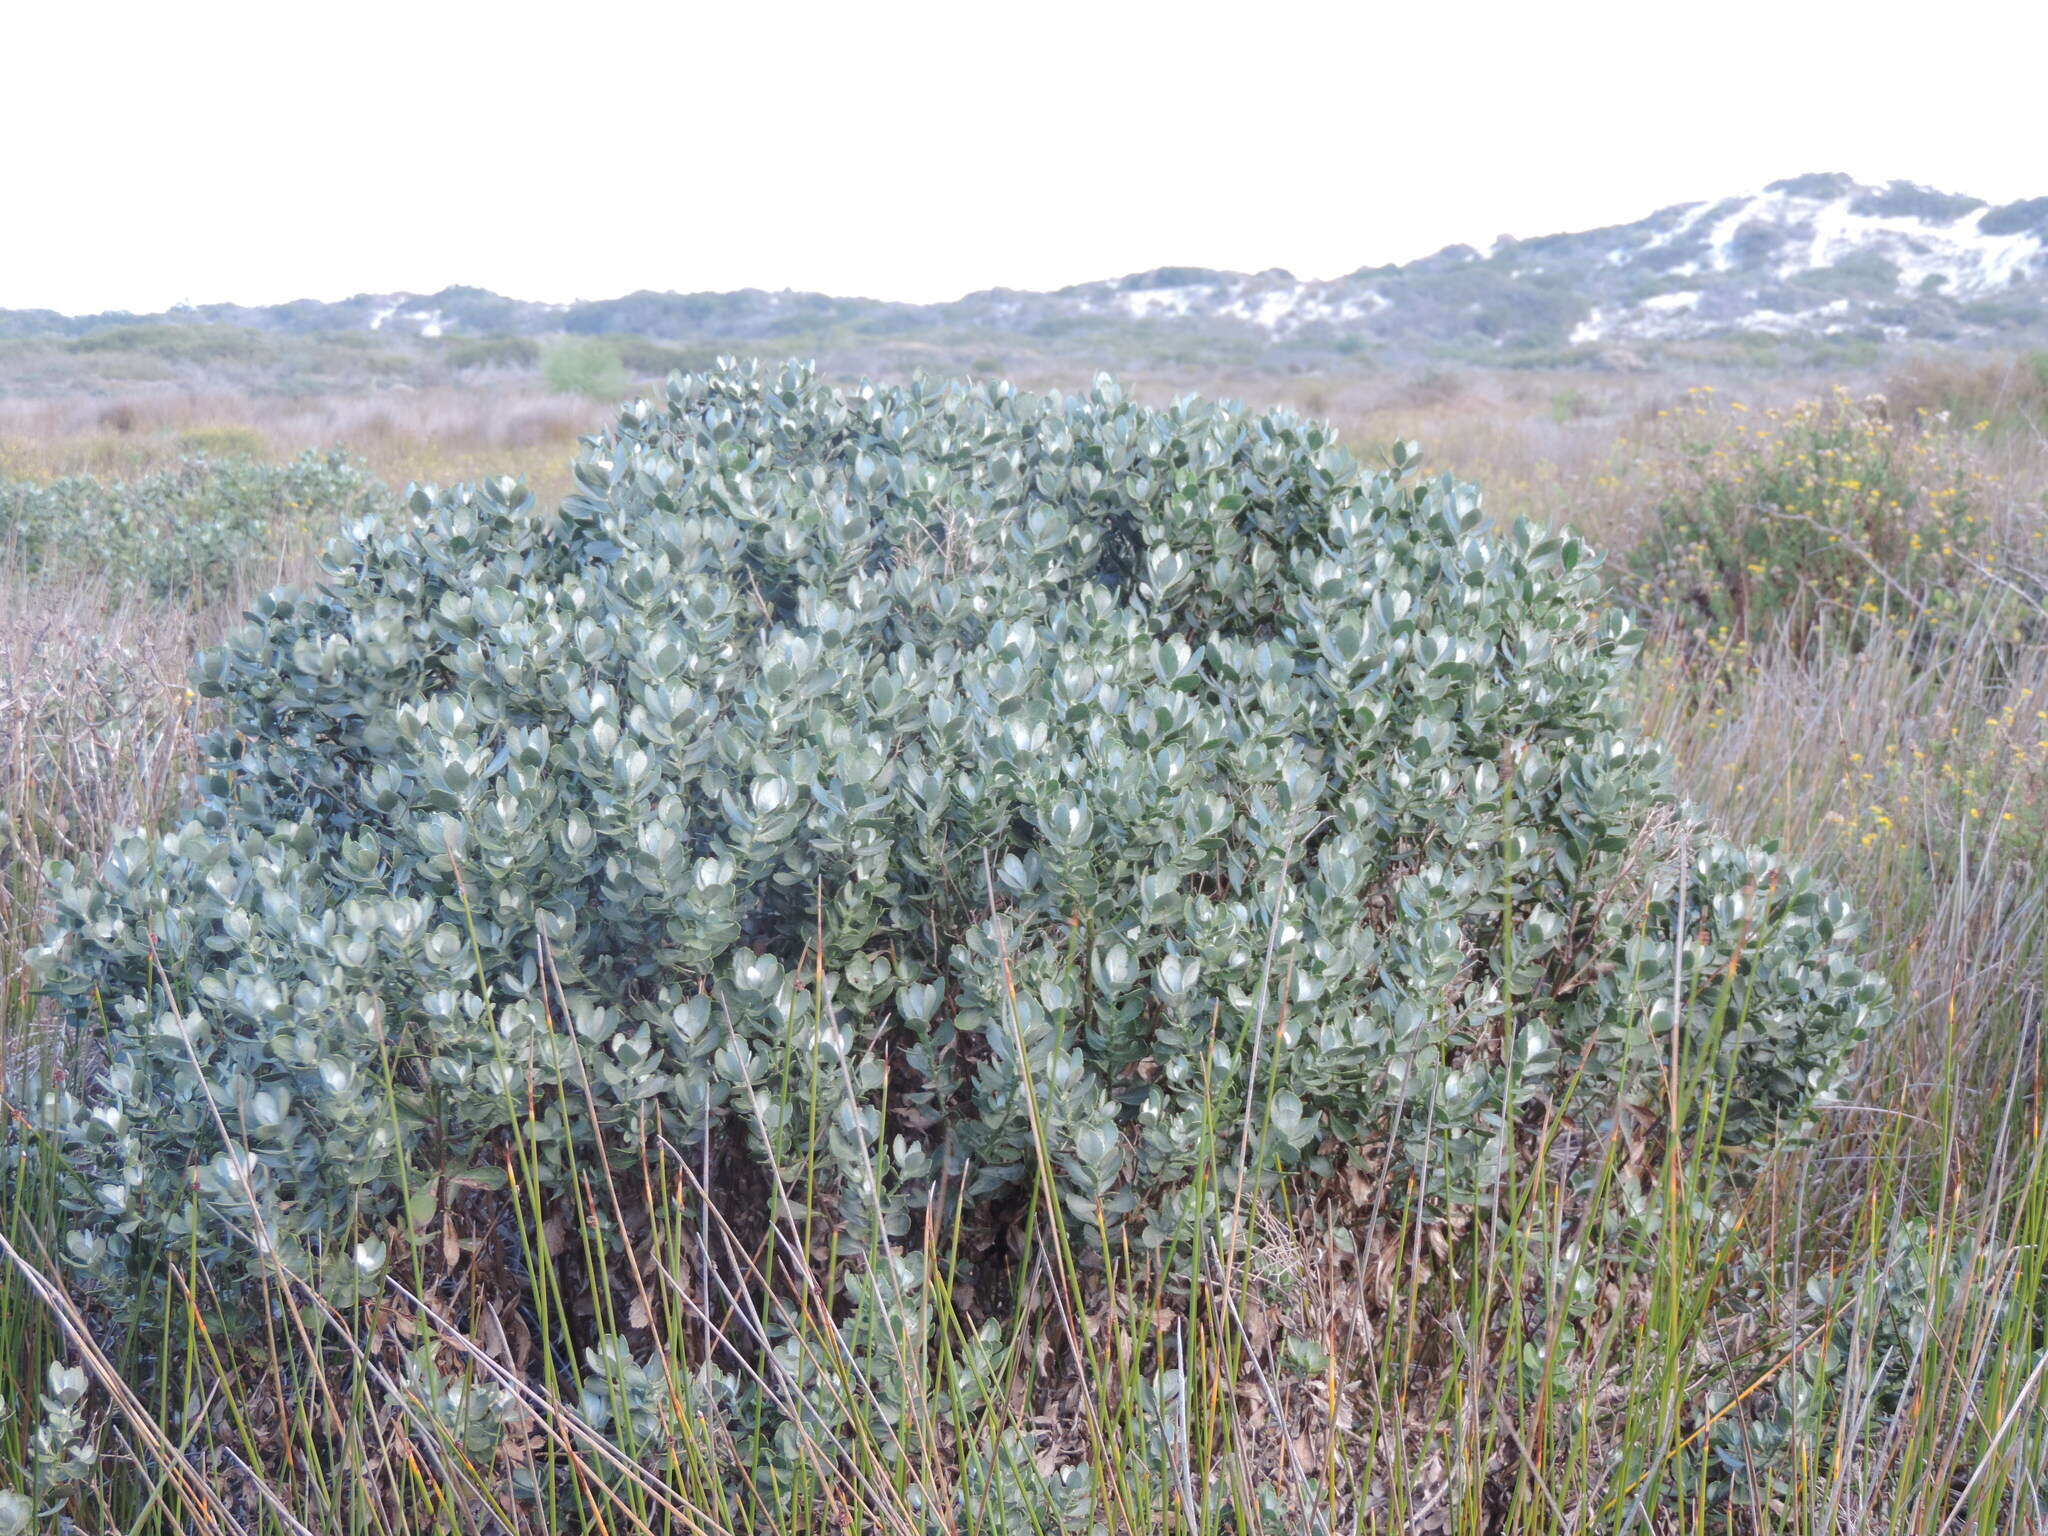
{"x": 61, "y": 1453}
{"x": 190, "y": 530}
{"x": 889, "y": 784}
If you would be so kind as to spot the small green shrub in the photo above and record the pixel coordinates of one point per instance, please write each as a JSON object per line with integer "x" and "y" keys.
{"x": 922, "y": 801}
{"x": 493, "y": 352}
{"x": 1766, "y": 520}
{"x": 587, "y": 366}
{"x": 644, "y": 358}
{"x": 192, "y": 530}
{"x": 1570, "y": 404}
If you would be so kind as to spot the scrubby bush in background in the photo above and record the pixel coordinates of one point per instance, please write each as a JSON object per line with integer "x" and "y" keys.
{"x": 493, "y": 352}
{"x": 195, "y": 530}
{"x": 1770, "y": 521}
{"x": 913, "y": 818}
{"x": 585, "y": 365}
{"x": 657, "y": 359}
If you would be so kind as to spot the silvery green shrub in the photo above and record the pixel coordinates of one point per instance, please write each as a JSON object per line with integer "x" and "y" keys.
{"x": 889, "y": 783}
{"x": 190, "y": 530}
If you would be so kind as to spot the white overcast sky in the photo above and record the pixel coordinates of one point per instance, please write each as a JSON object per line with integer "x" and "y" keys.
{"x": 201, "y": 151}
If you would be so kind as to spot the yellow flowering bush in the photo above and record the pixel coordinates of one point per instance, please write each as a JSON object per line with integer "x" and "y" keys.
{"x": 1768, "y": 521}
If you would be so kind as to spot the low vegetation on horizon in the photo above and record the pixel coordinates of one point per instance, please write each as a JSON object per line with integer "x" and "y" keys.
{"x": 1021, "y": 958}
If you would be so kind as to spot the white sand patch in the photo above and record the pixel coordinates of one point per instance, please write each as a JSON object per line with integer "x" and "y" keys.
{"x": 1152, "y": 303}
